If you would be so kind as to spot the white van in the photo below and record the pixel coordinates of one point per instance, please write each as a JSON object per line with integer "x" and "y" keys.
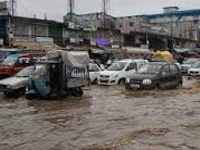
{"x": 119, "y": 71}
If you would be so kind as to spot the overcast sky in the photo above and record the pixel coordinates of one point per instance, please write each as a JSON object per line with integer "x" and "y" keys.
{"x": 55, "y": 9}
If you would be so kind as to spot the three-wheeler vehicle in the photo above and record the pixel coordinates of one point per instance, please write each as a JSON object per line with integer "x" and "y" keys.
{"x": 64, "y": 73}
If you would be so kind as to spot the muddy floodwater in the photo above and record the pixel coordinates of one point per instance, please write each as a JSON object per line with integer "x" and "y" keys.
{"x": 105, "y": 118}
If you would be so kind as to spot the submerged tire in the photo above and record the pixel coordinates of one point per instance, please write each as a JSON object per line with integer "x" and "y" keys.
{"x": 95, "y": 81}
{"x": 12, "y": 94}
{"x": 77, "y": 92}
{"x": 179, "y": 85}
{"x": 6, "y": 94}
{"x": 31, "y": 95}
{"x": 127, "y": 87}
{"x": 121, "y": 82}
{"x": 158, "y": 87}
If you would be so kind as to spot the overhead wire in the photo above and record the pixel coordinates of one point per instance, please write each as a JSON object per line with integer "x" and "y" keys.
{"x": 21, "y": 6}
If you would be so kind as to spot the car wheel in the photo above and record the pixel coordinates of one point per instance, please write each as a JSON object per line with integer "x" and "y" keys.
{"x": 158, "y": 86}
{"x": 95, "y": 81}
{"x": 189, "y": 78}
{"x": 127, "y": 87}
{"x": 22, "y": 91}
{"x": 7, "y": 94}
{"x": 77, "y": 92}
{"x": 121, "y": 82}
{"x": 11, "y": 94}
{"x": 180, "y": 84}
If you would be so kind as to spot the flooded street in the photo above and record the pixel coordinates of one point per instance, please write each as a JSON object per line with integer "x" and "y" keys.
{"x": 105, "y": 118}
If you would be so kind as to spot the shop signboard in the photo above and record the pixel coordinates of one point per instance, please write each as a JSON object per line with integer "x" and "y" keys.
{"x": 44, "y": 39}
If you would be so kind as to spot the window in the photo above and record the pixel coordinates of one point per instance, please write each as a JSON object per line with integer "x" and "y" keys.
{"x": 131, "y": 66}
{"x": 93, "y": 68}
{"x": 166, "y": 70}
{"x": 131, "y": 24}
{"x": 174, "y": 69}
{"x": 117, "y": 66}
{"x": 141, "y": 64}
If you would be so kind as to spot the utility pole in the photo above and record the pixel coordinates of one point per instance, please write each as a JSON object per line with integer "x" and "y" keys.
{"x": 13, "y": 7}
{"x": 45, "y": 16}
{"x": 105, "y": 11}
{"x": 172, "y": 39}
{"x": 172, "y": 28}
{"x": 71, "y": 9}
{"x": 12, "y": 4}
{"x": 35, "y": 28}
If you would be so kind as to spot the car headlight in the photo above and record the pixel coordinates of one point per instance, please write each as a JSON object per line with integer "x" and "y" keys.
{"x": 27, "y": 89}
{"x": 116, "y": 76}
{"x": 147, "y": 82}
{"x": 16, "y": 86}
{"x": 128, "y": 80}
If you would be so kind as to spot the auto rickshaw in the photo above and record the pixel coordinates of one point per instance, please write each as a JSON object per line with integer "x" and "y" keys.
{"x": 64, "y": 73}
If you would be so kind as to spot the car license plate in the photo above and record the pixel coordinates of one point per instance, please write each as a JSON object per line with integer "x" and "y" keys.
{"x": 104, "y": 79}
{"x": 135, "y": 85}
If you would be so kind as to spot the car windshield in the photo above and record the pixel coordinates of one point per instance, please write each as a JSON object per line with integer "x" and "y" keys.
{"x": 10, "y": 60}
{"x": 117, "y": 66}
{"x": 190, "y": 61}
{"x": 196, "y": 65}
{"x": 150, "y": 69}
{"x": 28, "y": 71}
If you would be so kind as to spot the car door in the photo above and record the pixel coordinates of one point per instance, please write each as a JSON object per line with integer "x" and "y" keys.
{"x": 140, "y": 64}
{"x": 130, "y": 70}
{"x": 165, "y": 77}
{"x": 175, "y": 75}
{"x": 17, "y": 67}
{"x": 94, "y": 72}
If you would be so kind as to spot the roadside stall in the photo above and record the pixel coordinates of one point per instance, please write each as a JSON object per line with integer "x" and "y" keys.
{"x": 137, "y": 53}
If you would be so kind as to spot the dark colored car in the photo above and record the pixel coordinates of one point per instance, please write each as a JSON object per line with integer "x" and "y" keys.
{"x": 155, "y": 75}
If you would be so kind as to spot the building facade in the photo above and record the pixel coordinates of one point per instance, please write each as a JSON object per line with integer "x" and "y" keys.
{"x": 92, "y": 28}
{"x": 20, "y": 30}
{"x": 172, "y": 28}
{"x": 181, "y": 24}
{"x": 180, "y": 28}
{"x": 92, "y": 20}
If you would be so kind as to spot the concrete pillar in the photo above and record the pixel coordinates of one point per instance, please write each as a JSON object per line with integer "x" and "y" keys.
{"x": 30, "y": 31}
{"x": 47, "y": 31}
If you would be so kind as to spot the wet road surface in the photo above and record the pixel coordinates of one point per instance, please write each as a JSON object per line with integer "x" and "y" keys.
{"x": 105, "y": 118}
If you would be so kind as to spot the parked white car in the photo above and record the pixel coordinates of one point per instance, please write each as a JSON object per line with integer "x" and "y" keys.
{"x": 195, "y": 69}
{"x": 94, "y": 70}
{"x": 119, "y": 71}
{"x": 187, "y": 64}
{"x": 16, "y": 85}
